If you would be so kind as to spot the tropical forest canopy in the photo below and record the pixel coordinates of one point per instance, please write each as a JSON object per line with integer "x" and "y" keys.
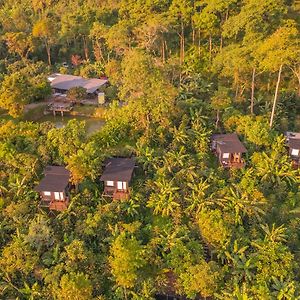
{"x": 179, "y": 71}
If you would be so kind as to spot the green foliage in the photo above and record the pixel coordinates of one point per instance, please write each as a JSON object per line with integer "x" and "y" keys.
{"x": 77, "y": 93}
{"x": 74, "y": 286}
{"x": 202, "y": 278}
{"x": 125, "y": 260}
{"x": 178, "y": 72}
{"x": 15, "y": 93}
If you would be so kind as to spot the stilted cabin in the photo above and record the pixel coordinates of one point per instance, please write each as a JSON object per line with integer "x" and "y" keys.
{"x": 229, "y": 149}
{"x": 117, "y": 176}
{"x": 54, "y": 188}
{"x": 293, "y": 144}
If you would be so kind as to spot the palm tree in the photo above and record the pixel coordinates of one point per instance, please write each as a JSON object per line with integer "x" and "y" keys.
{"x": 283, "y": 289}
{"x": 164, "y": 198}
{"x": 146, "y": 157}
{"x": 240, "y": 292}
{"x": 241, "y": 262}
{"x": 274, "y": 234}
{"x": 174, "y": 160}
{"x": 197, "y": 200}
{"x": 275, "y": 166}
{"x": 242, "y": 204}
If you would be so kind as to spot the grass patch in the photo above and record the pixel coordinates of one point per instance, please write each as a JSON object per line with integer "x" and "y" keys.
{"x": 34, "y": 114}
{"x": 84, "y": 110}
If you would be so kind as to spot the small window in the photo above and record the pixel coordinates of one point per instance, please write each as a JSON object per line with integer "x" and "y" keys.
{"x": 47, "y": 193}
{"x": 109, "y": 183}
{"x": 295, "y": 152}
{"x": 57, "y": 196}
{"x": 225, "y": 155}
{"x": 122, "y": 185}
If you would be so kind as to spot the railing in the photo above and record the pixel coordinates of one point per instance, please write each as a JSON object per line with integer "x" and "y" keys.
{"x": 120, "y": 195}
{"x": 116, "y": 194}
{"x": 233, "y": 164}
{"x": 55, "y": 205}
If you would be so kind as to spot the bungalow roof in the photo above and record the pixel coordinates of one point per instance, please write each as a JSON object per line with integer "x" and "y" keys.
{"x": 118, "y": 169}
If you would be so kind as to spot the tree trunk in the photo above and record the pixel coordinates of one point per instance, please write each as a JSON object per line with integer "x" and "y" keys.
{"x": 296, "y": 71}
{"x": 199, "y": 42}
{"x": 252, "y": 92}
{"x": 48, "y": 49}
{"x": 98, "y": 51}
{"x": 85, "y": 48}
{"x": 182, "y": 44}
{"x": 163, "y": 53}
{"x": 275, "y": 97}
{"x": 166, "y": 49}
{"x": 193, "y": 36}
{"x": 218, "y": 118}
{"x": 236, "y": 92}
{"x": 226, "y": 15}
{"x": 210, "y": 47}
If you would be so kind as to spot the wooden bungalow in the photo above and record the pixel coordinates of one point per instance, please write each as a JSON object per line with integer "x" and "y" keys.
{"x": 228, "y": 149}
{"x": 117, "y": 176}
{"x": 61, "y": 83}
{"x": 54, "y": 188}
{"x": 293, "y": 144}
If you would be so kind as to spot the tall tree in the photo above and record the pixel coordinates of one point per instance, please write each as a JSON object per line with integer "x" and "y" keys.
{"x": 46, "y": 30}
{"x": 279, "y": 50}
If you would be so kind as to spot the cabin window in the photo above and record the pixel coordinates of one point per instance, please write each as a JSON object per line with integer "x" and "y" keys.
{"x": 122, "y": 185}
{"x": 225, "y": 155}
{"x": 295, "y": 152}
{"x": 58, "y": 196}
{"x": 109, "y": 183}
{"x": 47, "y": 193}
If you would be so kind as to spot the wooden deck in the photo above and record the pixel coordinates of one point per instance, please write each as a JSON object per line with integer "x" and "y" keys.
{"x": 236, "y": 165}
{"x": 55, "y": 205}
{"x": 295, "y": 164}
{"x": 60, "y": 107}
{"x": 116, "y": 195}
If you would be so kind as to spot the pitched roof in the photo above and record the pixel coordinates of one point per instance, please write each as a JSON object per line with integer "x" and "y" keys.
{"x": 229, "y": 143}
{"x": 66, "y": 82}
{"x": 118, "y": 169}
{"x": 56, "y": 179}
{"x": 293, "y": 139}
{"x": 294, "y": 143}
{"x": 293, "y": 135}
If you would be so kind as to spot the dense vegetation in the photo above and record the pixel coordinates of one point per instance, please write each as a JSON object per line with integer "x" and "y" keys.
{"x": 182, "y": 70}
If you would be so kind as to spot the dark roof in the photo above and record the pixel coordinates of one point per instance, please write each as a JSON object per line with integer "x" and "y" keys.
{"x": 66, "y": 82}
{"x": 294, "y": 143}
{"x": 118, "y": 169}
{"x": 224, "y": 137}
{"x": 56, "y": 179}
{"x": 292, "y": 135}
{"x": 229, "y": 143}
